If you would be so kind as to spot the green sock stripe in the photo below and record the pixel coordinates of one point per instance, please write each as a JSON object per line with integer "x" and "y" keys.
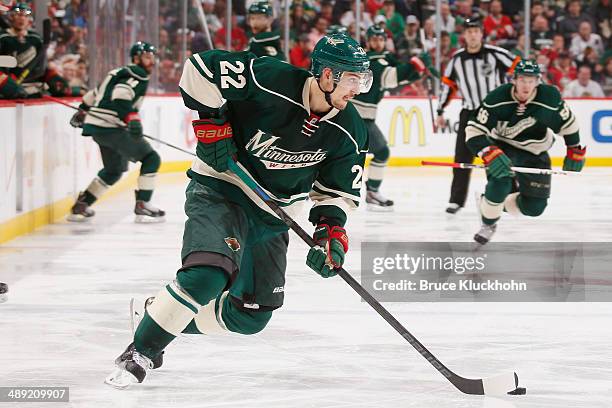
{"x": 181, "y": 300}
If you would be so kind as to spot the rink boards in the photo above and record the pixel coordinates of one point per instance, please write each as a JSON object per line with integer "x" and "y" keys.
{"x": 44, "y": 162}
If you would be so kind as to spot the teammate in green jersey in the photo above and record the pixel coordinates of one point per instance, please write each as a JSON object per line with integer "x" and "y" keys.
{"x": 387, "y": 74}
{"x": 515, "y": 126}
{"x": 297, "y": 135}
{"x": 31, "y": 77}
{"x": 114, "y": 124}
{"x": 264, "y": 41}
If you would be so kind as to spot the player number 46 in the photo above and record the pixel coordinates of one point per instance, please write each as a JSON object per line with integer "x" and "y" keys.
{"x": 237, "y": 67}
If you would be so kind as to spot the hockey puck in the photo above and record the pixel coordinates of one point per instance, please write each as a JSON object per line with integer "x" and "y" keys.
{"x": 519, "y": 391}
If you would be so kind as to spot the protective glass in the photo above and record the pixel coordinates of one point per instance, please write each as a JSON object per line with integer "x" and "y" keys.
{"x": 356, "y": 82}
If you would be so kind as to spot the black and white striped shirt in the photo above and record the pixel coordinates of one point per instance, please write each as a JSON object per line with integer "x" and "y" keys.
{"x": 475, "y": 75}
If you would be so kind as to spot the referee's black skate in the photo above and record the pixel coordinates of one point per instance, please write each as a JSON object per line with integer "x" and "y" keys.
{"x": 3, "y": 292}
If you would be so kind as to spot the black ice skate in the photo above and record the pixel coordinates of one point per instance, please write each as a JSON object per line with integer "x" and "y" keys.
{"x": 377, "y": 202}
{"x": 157, "y": 361}
{"x": 453, "y": 208}
{"x": 147, "y": 213}
{"x": 80, "y": 211}
{"x": 131, "y": 368}
{"x": 483, "y": 236}
{"x": 3, "y": 292}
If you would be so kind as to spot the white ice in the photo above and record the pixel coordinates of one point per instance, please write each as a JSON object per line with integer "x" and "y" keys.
{"x": 67, "y": 315}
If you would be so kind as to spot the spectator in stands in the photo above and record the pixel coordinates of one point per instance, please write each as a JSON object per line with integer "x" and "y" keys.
{"x": 349, "y": 17}
{"x": 429, "y": 32}
{"x": 213, "y": 21}
{"x": 601, "y": 12}
{"x": 497, "y": 26}
{"x": 583, "y": 86}
{"x": 318, "y": 31}
{"x": 558, "y": 46}
{"x": 75, "y": 14}
{"x": 541, "y": 34}
{"x": 607, "y": 77}
{"x": 537, "y": 9}
{"x": 238, "y": 36}
{"x": 374, "y": 6}
{"x": 327, "y": 10}
{"x": 563, "y": 70}
{"x": 585, "y": 39}
{"x": 395, "y": 22}
{"x": 300, "y": 53}
{"x": 164, "y": 50}
{"x": 544, "y": 63}
{"x": 447, "y": 19}
{"x": 570, "y": 21}
{"x": 446, "y": 49}
{"x": 484, "y": 9}
{"x": 300, "y": 23}
{"x": 168, "y": 76}
{"x": 408, "y": 43}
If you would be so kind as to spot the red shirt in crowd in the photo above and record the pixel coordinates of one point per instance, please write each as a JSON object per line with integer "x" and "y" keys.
{"x": 499, "y": 28}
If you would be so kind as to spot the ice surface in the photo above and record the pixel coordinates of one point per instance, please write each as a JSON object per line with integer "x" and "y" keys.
{"x": 67, "y": 315}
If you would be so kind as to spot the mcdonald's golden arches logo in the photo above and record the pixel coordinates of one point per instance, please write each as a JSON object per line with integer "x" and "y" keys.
{"x": 413, "y": 112}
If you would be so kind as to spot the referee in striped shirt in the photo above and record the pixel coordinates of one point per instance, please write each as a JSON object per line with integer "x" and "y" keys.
{"x": 474, "y": 71}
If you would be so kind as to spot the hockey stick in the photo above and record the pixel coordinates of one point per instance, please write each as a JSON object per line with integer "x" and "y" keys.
{"x": 502, "y": 384}
{"x": 429, "y": 86}
{"x": 7, "y": 61}
{"x": 56, "y": 100}
{"x": 529, "y": 170}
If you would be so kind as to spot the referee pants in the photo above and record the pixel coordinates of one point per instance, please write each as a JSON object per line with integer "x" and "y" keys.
{"x": 461, "y": 177}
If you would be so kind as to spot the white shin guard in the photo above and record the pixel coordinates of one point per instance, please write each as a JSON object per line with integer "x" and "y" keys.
{"x": 147, "y": 181}
{"x": 209, "y": 320}
{"x": 97, "y": 187}
{"x": 511, "y": 205}
{"x": 173, "y": 309}
{"x": 490, "y": 209}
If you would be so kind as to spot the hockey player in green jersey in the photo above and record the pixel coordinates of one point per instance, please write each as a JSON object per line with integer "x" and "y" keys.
{"x": 31, "y": 77}
{"x": 297, "y": 136}
{"x": 387, "y": 74}
{"x": 264, "y": 41}
{"x": 114, "y": 124}
{"x": 515, "y": 126}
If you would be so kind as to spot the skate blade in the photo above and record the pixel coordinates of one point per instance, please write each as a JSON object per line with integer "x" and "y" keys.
{"x": 77, "y": 218}
{"x": 378, "y": 208}
{"x": 145, "y": 219}
{"x": 120, "y": 379}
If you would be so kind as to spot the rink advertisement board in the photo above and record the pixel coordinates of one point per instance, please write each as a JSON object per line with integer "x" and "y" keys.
{"x": 44, "y": 160}
{"x": 406, "y": 122}
{"x": 498, "y": 272}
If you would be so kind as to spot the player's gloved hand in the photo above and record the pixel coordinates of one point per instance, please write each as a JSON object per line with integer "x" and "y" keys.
{"x": 217, "y": 143}
{"x": 574, "y": 158}
{"x": 11, "y": 89}
{"x": 332, "y": 245}
{"x": 134, "y": 125}
{"x": 78, "y": 119}
{"x": 498, "y": 164}
{"x": 424, "y": 65}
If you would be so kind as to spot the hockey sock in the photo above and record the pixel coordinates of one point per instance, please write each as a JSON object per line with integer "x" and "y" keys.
{"x": 148, "y": 172}
{"x": 376, "y": 173}
{"x": 492, "y": 204}
{"x": 95, "y": 190}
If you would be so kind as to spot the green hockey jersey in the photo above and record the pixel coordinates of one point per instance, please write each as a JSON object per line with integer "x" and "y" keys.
{"x": 387, "y": 74}
{"x": 24, "y": 51}
{"x": 289, "y": 151}
{"x": 529, "y": 126}
{"x": 121, "y": 92}
{"x": 266, "y": 44}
